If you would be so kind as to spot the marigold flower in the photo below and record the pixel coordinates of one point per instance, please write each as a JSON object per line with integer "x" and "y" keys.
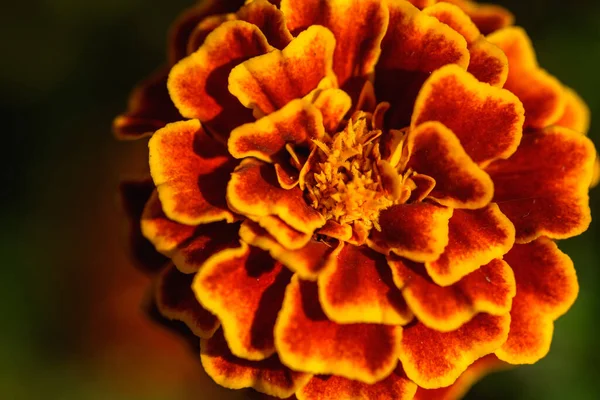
{"x": 359, "y": 198}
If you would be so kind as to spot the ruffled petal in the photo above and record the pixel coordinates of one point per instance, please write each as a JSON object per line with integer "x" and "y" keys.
{"x": 546, "y": 288}
{"x": 134, "y": 195}
{"x": 329, "y": 387}
{"x": 295, "y": 123}
{"x": 415, "y": 45}
{"x": 357, "y": 287}
{"x": 176, "y": 301}
{"x": 307, "y": 341}
{"x": 488, "y": 121}
{"x": 542, "y": 94}
{"x": 149, "y": 109}
{"x": 543, "y": 187}
{"x": 204, "y": 28}
{"x": 267, "y": 376}
{"x": 270, "y": 81}
{"x": 435, "y": 359}
{"x": 190, "y": 171}
{"x": 307, "y": 261}
{"x": 476, "y": 237}
{"x": 577, "y": 113}
{"x": 183, "y": 27}
{"x": 459, "y": 182}
{"x": 423, "y": 186}
{"x": 254, "y": 190}
{"x": 416, "y": 231}
{"x": 244, "y": 288}
{"x": 198, "y": 83}
{"x": 334, "y": 104}
{"x": 269, "y": 19}
{"x": 458, "y": 389}
{"x": 358, "y": 26}
{"x": 455, "y": 18}
{"x": 490, "y": 289}
{"x": 487, "y": 17}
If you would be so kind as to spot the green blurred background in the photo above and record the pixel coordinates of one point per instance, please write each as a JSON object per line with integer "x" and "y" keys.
{"x": 71, "y": 323}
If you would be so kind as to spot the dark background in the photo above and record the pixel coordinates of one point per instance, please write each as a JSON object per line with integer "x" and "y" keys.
{"x": 69, "y": 302}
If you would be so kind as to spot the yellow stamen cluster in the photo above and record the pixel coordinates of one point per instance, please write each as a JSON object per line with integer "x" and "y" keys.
{"x": 345, "y": 182}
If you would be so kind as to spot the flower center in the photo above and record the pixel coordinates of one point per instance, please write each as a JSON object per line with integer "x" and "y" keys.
{"x": 348, "y": 181}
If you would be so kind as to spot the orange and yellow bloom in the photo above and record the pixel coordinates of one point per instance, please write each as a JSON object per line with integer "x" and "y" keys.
{"x": 359, "y": 198}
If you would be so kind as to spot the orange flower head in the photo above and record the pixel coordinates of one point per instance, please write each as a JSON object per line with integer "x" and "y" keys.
{"x": 358, "y": 198}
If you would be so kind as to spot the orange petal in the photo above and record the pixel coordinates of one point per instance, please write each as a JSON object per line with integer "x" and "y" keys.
{"x": 330, "y": 387}
{"x": 307, "y": 341}
{"x": 295, "y": 123}
{"x": 542, "y": 95}
{"x": 181, "y": 30}
{"x": 198, "y": 83}
{"x": 335, "y": 230}
{"x": 487, "y": 17}
{"x": 577, "y": 114}
{"x": 435, "y": 151}
{"x": 190, "y": 171}
{"x": 269, "y": 19}
{"x": 458, "y": 389}
{"x": 546, "y": 288}
{"x": 272, "y": 80}
{"x": 424, "y": 185}
{"x": 490, "y": 289}
{"x": 150, "y": 108}
{"x": 307, "y": 261}
{"x": 267, "y": 376}
{"x": 488, "y": 63}
{"x": 357, "y": 287}
{"x": 476, "y": 237}
{"x": 543, "y": 187}
{"x": 416, "y": 231}
{"x": 415, "y": 45}
{"x": 134, "y": 195}
{"x": 422, "y": 3}
{"x": 455, "y": 18}
{"x": 334, "y": 104}
{"x": 435, "y": 359}
{"x": 488, "y": 121}
{"x": 254, "y": 190}
{"x": 358, "y": 26}
{"x": 204, "y": 28}
{"x": 287, "y": 236}
{"x": 244, "y": 288}
{"x": 176, "y": 301}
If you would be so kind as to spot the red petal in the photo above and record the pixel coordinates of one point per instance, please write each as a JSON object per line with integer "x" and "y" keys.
{"x": 270, "y": 81}
{"x": 244, "y": 288}
{"x": 335, "y": 230}
{"x": 198, "y": 83}
{"x": 546, "y": 289}
{"x": 474, "y": 111}
{"x": 435, "y": 359}
{"x": 267, "y": 376}
{"x": 357, "y": 287}
{"x": 415, "y": 45}
{"x": 476, "y": 238}
{"x": 541, "y": 94}
{"x": 150, "y": 108}
{"x": 182, "y": 28}
{"x": 269, "y": 19}
{"x": 254, "y": 190}
{"x": 307, "y": 341}
{"x": 295, "y": 123}
{"x": 424, "y": 186}
{"x": 487, "y": 17}
{"x": 458, "y": 389}
{"x": 329, "y": 387}
{"x": 358, "y": 26}
{"x": 435, "y": 151}
{"x": 176, "y": 301}
{"x": 490, "y": 289}
{"x": 307, "y": 261}
{"x": 416, "y": 231}
{"x": 543, "y": 187}
{"x": 134, "y": 195}
{"x": 190, "y": 171}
